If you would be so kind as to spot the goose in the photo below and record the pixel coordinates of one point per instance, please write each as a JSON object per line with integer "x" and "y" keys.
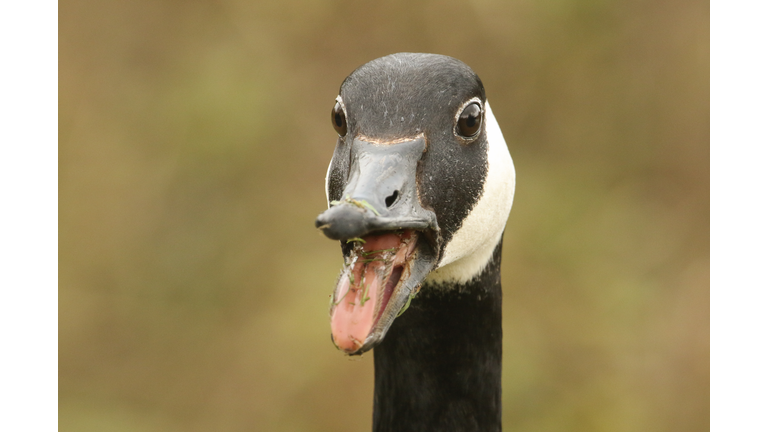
{"x": 419, "y": 190}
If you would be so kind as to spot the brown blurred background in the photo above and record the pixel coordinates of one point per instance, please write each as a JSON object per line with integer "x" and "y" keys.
{"x": 194, "y": 139}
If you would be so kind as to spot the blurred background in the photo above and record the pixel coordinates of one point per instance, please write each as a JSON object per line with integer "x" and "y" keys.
{"x": 194, "y": 139}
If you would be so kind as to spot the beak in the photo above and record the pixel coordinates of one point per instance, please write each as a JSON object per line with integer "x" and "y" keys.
{"x": 381, "y": 193}
{"x": 389, "y": 240}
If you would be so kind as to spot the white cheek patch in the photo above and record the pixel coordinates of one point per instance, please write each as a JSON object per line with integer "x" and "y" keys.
{"x": 327, "y": 176}
{"x": 471, "y": 247}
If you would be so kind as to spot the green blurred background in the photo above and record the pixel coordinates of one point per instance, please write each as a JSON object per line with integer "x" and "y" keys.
{"x": 194, "y": 139}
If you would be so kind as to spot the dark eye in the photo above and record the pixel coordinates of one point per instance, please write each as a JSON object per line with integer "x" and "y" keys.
{"x": 339, "y": 119}
{"x": 470, "y": 120}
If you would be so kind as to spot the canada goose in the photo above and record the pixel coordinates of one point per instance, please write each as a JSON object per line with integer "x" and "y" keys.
{"x": 419, "y": 190}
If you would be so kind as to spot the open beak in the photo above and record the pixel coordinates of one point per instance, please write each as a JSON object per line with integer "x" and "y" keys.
{"x": 390, "y": 241}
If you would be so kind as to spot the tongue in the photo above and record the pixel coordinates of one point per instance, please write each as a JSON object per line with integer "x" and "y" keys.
{"x": 358, "y": 296}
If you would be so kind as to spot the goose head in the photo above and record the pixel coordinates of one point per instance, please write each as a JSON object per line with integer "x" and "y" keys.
{"x": 419, "y": 189}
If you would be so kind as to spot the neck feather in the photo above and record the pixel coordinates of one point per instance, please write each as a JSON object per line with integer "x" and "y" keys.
{"x": 439, "y": 366}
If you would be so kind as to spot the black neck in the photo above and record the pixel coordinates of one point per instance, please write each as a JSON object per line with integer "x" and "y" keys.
{"x": 439, "y": 366}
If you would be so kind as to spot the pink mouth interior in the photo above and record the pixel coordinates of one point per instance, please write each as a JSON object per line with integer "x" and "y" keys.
{"x": 370, "y": 275}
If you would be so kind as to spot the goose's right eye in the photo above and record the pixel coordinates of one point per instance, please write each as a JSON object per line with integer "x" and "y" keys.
{"x": 339, "y": 119}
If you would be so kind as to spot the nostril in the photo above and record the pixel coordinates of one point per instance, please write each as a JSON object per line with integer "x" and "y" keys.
{"x": 391, "y": 199}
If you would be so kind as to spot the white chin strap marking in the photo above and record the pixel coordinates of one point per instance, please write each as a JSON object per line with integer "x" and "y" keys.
{"x": 327, "y": 176}
{"x": 471, "y": 247}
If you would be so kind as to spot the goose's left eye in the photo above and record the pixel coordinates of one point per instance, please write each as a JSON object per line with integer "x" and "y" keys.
{"x": 470, "y": 120}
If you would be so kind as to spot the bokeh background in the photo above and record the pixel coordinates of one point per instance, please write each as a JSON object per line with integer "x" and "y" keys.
{"x": 194, "y": 139}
